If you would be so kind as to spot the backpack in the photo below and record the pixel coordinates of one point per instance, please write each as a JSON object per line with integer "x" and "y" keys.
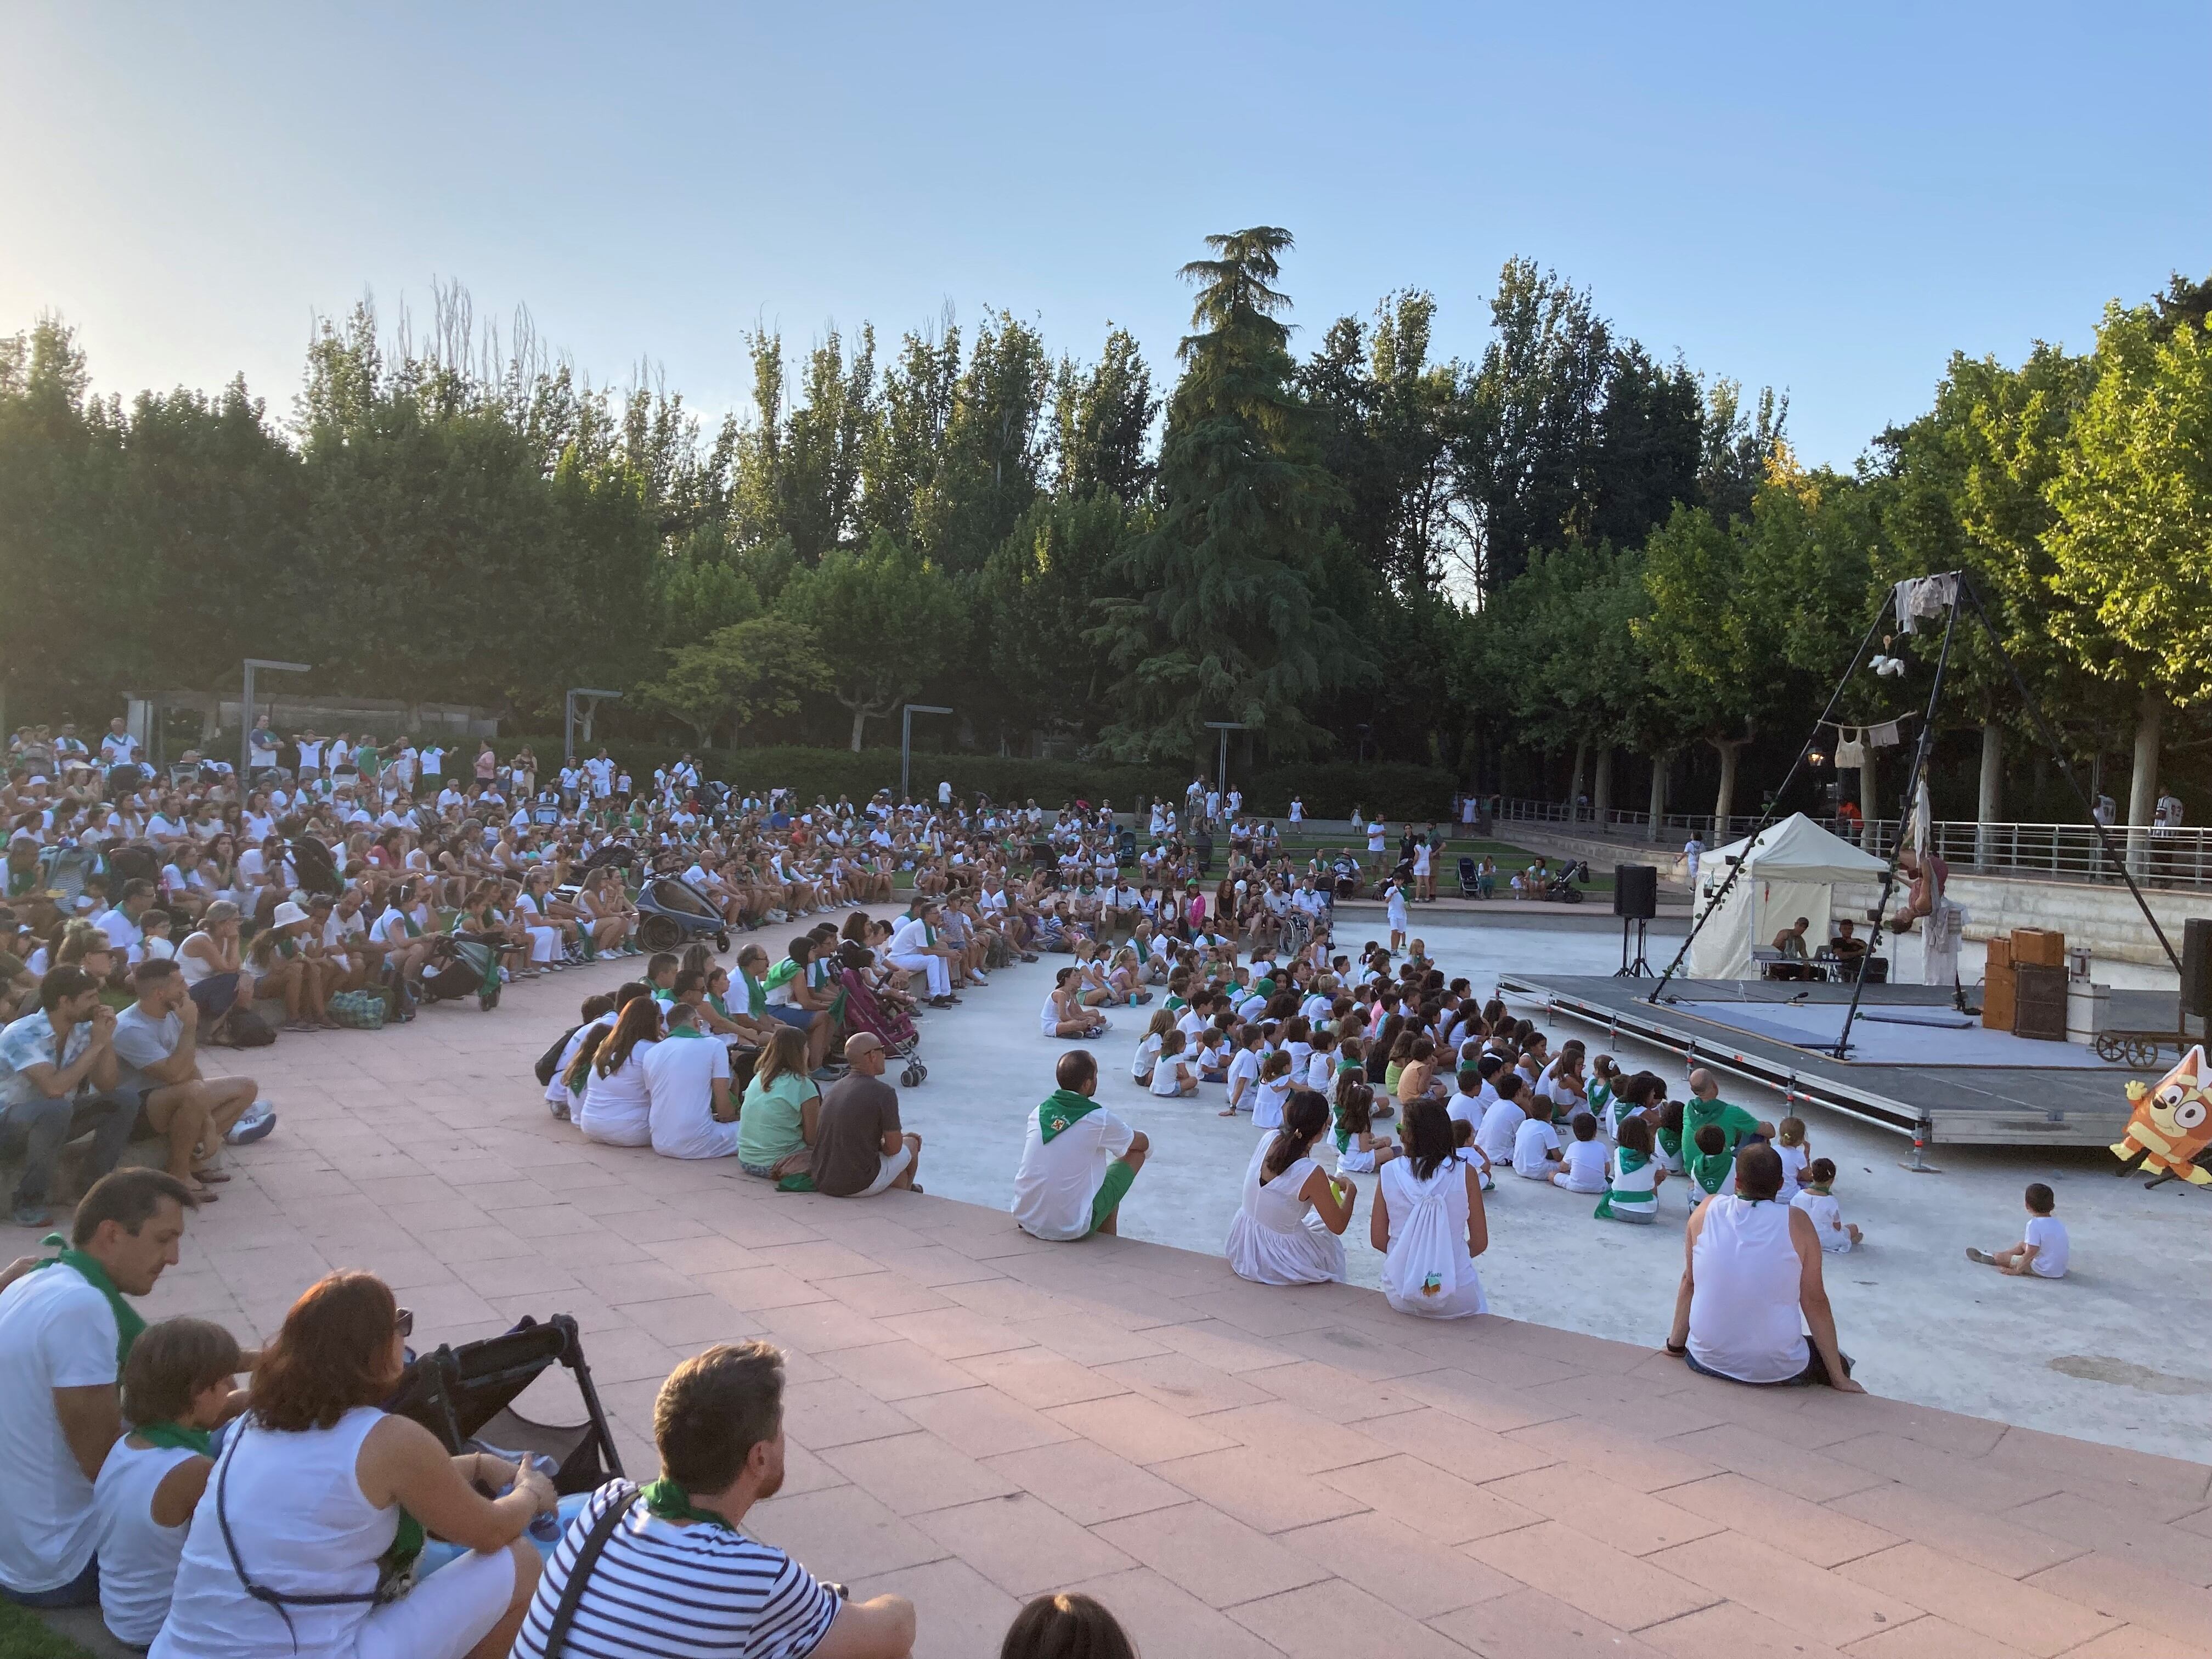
{"x": 1423, "y": 1263}
{"x": 247, "y": 1030}
{"x": 550, "y": 1062}
{"x": 359, "y": 1011}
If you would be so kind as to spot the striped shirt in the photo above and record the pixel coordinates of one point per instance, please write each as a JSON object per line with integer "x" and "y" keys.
{"x": 662, "y": 1591}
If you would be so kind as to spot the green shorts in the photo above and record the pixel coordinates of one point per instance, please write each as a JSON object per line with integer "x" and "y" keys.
{"x": 1111, "y": 1192}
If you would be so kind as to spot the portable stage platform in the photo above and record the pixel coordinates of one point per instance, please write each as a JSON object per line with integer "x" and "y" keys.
{"x": 1916, "y": 1066}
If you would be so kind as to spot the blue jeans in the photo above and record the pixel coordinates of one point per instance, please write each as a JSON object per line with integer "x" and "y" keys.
{"x": 41, "y": 1127}
{"x": 81, "y": 1591}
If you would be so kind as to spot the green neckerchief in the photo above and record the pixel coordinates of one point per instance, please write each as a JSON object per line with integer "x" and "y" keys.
{"x": 679, "y": 1031}
{"x": 664, "y": 996}
{"x": 176, "y": 1435}
{"x": 1144, "y": 954}
{"x": 719, "y": 1003}
{"x": 1061, "y": 1107}
{"x": 1263, "y": 987}
{"x": 1632, "y": 1160}
{"x": 665, "y": 1498}
{"x": 20, "y": 882}
{"x": 755, "y": 996}
{"x": 1710, "y": 1172}
{"x": 782, "y": 974}
{"x": 1670, "y": 1142}
{"x": 128, "y": 1324}
{"x": 1598, "y": 1096}
{"x": 1175, "y": 1005}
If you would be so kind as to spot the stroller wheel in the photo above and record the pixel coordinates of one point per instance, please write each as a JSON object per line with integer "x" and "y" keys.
{"x": 659, "y": 933}
{"x": 913, "y": 1075}
{"x": 722, "y": 944}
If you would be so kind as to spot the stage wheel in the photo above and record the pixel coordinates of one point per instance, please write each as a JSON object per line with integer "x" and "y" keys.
{"x": 2142, "y": 1052}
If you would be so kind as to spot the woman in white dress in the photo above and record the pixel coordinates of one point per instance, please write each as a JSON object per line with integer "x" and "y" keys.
{"x": 1428, "y": 1221}
{"x": 1290, "y": 1229}
{"x": 617, "y": 1110}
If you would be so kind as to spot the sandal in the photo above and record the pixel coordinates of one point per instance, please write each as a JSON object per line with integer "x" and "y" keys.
{"x": 205, "y": 1176}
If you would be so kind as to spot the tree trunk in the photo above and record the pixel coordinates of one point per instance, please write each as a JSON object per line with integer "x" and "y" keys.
{"x": 1601, "y": 785}
{"x": 1725, "y": 803}
{"x": 1659, "y": 763}
{"x": 2142, "y": 784}
{"x": 1992, "y": 804}
{"x": 859, "y": 721}
{"x": 1575, "y": 781}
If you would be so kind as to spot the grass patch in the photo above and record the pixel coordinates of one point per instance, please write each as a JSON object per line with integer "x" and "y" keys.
{"x": 23, "y": 1635}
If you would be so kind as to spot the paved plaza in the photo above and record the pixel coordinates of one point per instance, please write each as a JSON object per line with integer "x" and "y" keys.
{"x": 976, "y": 1417}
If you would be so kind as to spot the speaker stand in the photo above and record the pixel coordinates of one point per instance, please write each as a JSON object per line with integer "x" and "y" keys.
{"x": 1638, "y": 969}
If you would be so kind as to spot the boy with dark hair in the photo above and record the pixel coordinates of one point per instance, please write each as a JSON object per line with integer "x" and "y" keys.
{"x": 2043, "y": 1247}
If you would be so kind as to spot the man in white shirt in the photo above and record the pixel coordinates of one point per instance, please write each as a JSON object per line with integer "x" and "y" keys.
{"x": 61, "y": 1344}
{"x": 1078, "y": 1159}
{"x": 119, "y": 747}
{"x": 915, "y": 948}
{"x": 433, "y": 759}
{"x": 1693, "y": 850}
{"x": 121, "y": 924}
{"x": 260, "y": 748}
{"x": 687, "y": 1080}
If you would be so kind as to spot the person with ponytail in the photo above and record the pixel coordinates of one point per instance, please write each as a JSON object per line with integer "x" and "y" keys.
{"x": 1428, "y": 1221}
{"x": 1289, "y": 1230}
{"x": 617, "y": 1108}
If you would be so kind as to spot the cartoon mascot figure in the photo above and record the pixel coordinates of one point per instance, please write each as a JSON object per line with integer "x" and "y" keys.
{"x": 2172, "y": 1122}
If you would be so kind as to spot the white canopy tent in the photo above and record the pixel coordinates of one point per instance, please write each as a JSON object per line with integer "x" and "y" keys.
{"x": 1788, "y": 870}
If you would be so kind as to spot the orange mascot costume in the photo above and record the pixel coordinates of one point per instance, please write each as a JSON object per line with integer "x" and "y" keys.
{"x": 2172, "y": 1123}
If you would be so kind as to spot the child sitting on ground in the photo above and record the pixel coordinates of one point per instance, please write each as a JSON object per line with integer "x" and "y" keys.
{"x": 1668, "y": 1142}
{"x": 1711, "y": 1169}
{"x": 176, "y": 1388}
{"x": 1535, "y": 1143}
{"x": 1359, "y": 1150}
{"x": 1272, "y": 1091}
{"x": 1791, "y": 1146}
{"x": 1584, "y": 1160}
{"x": 1633, "y": 1176}
{"x": 1465, "y": 1150}
{"x": 1836, "y": 1234}
{"x": 1148, "y": 1049}
{"x": 1604, "y": 1077}
{"x": 2043, "y": 1250}
{"x": 1209, "y": 1055}
{"x": 1172, "y": 1077}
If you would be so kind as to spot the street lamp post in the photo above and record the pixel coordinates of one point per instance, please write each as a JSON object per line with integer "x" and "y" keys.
{"x": 1221, "y": 771}
{"x": 592, "y": 698}
{"x": 906, "y": 738}
{"x": 245, "y": 711}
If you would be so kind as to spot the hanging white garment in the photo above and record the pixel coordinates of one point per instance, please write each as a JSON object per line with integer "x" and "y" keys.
{"x": 1851, "y": 746}
{"x": 1919, "y": 597}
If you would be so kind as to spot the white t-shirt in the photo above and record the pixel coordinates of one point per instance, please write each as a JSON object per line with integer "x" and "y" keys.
{"x": 1532, "y": 1141}
{"x": 616, "y": 1110}
{"x": 56, "y": 1332}
{"x": 1827, "y": 1217}
{"x": 1268, "y": 1099}
{"x": 140, "y": 1040}
{"x": 1058, "y": 1179}
{"x": 1464, "y": 1107}
{"x": 680, "y": 1080}
{"x": 1501, "y": 1124}
{"x": 1585, "y": 1164}
{"x": 2048, "y": 1234}
{"x": 1246, "y": 1067}
{"x": 1147, "y": 1054}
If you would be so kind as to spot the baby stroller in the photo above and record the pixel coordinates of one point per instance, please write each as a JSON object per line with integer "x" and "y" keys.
{"x": 465, "y": 1397}
{"x": 1561, "y": 888}
{"x": 1470, "y": 879}
{"x": 866, "y": 1012}
{"x": 672, "y": 913}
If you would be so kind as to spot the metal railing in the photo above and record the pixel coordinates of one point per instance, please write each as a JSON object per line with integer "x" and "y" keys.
{"x": 2177, "y": 857}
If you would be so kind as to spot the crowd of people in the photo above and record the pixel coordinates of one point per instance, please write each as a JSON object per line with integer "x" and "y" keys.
{"x": 295, "y": 1516}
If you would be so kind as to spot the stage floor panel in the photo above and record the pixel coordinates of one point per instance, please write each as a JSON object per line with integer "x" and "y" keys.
{"x": 2025, "y": 1093}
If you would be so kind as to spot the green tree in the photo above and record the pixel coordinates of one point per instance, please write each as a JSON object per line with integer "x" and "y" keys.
{"x": 1035, "y": 597}
{"x": 745, "y": 671}
{"x": 1102, "y": 423}
{"x": 1227, "y": 624}
{"x": 884, "y": 621}
{"x": 990, "y": 459}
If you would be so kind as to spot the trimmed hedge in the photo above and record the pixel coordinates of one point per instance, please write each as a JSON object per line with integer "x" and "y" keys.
{"x": 1329, "y": 789}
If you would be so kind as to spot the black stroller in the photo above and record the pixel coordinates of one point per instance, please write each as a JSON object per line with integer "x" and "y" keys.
{"x": 465, "y": 1397}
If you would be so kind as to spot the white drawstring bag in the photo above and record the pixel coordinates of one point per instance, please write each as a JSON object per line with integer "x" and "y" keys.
{"x": 1422, "y": 1265}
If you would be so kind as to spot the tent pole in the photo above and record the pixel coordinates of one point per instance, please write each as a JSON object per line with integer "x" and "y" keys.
{"x": 1766, "y": 819}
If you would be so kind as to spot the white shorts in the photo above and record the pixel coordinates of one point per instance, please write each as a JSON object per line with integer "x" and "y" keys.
{"x": 444, "y": 1615}
{"x": 887, "y": 1170}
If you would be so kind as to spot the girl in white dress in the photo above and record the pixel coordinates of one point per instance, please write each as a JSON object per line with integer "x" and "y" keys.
{"x": 1428, "y": 1221}
{"x": 1289, "y": 1230}
{"x": 615, "y": 1107}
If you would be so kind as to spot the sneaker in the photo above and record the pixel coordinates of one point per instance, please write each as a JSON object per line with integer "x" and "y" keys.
{"x": 559, "y": 1109}
{"x": 977, "y": 979}
{"x": 30, "y": 1215}
{"x": 260, "y": 1118}
{"x": 1977, "y": 1255}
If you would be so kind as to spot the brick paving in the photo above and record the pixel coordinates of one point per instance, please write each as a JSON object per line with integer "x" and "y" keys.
{"x": 976, "y": 1417}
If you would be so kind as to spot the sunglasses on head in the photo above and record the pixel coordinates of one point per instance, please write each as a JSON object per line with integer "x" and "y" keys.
{"x": 403, "y": 1321}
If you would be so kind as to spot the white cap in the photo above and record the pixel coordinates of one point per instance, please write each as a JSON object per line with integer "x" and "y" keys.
{"x": 287, "y": 914}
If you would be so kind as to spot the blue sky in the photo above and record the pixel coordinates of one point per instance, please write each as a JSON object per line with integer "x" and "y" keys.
{"x": 1828, "y": 199}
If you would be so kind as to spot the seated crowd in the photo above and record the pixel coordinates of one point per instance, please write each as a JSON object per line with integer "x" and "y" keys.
{"x": 296, "y": 1517}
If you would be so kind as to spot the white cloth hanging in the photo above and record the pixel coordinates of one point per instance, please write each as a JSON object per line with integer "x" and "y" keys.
{"x": 1918, "y": 597}
{"x": 1850, "y": 745}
